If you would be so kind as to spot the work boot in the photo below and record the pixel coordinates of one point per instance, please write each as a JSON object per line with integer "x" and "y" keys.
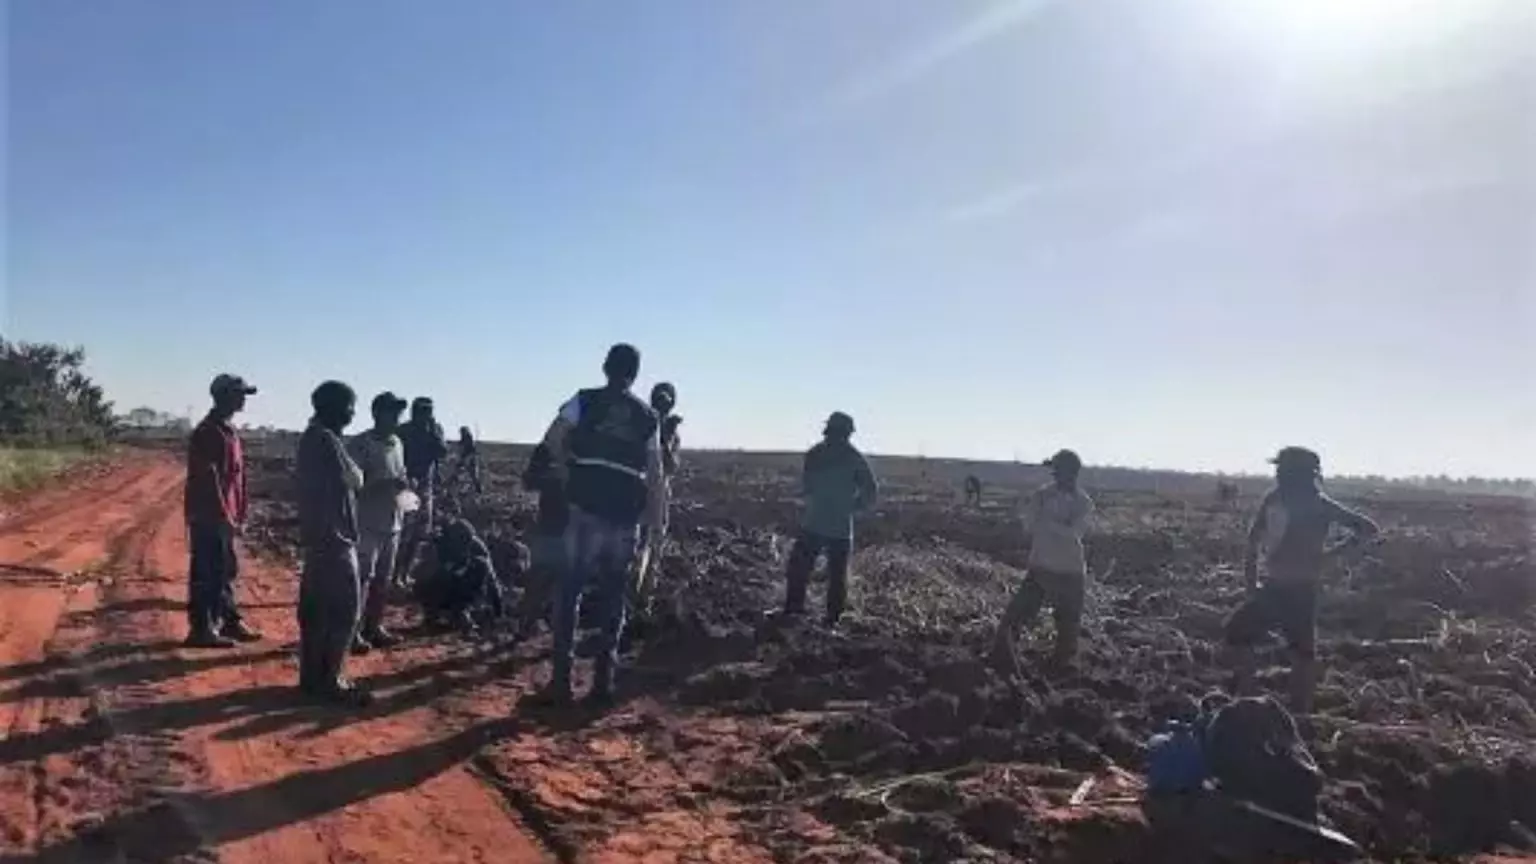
{"x": 343, "y": 693}
{"x": 242, "y": 632}
{"x": 378, "y": 637}
{"x": 208, "y": 639}
{"x": 551, "y": 696}
{"x": 361, "y": 646}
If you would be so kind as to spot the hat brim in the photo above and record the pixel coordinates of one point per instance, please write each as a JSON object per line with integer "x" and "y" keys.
{"x": 246, "y": 390}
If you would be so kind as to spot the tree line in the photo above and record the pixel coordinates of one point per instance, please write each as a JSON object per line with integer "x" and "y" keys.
{"x": 47, "y": 400}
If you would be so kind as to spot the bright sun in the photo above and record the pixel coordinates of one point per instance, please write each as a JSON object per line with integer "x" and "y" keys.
{"x": 1362, "y": 26}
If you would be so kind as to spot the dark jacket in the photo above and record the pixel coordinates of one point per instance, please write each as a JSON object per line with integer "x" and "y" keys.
{"x": 327, "y": 494}
{"x": 425, "y": 449}
{"x": 609, "y": 451}
{"x": 554, "y": 507}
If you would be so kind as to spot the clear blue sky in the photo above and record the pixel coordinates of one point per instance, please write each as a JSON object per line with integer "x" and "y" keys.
{"x": 1165, "y": 232}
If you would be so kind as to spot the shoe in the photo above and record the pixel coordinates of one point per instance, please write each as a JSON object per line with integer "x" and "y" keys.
{"x": 550, "y": 697}
{"x": 598, "y": 700}
{"x": 208, "y": 639}
{"x": 242, "y": 632}
{"x": 344, "y": 694}
{"x": 361, "y": 647}
{"x": 378, "y": 637}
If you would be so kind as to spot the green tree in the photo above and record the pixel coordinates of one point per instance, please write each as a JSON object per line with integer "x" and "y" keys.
{"x": 47, "y": 400}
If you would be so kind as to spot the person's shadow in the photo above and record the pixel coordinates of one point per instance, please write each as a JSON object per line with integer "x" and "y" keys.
{"x": 181, "y": 825}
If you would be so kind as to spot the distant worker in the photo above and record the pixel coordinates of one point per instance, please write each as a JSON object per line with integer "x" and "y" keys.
{"x": 1057, "y": 518}
{"x": 1291, "y": 529}
{"x": 468, "y": 463}
{"x": 838, "y": 484}
{"x": 425, "y": 449}
{"x": 462, "y": 579}
{"x": 609, "y": 440}
{"x": 1226, "y": 492}
{"x": 663, "y": 402}
{"x": 381, "y": 456}
{"x": 972, "y": 491}
{"x": 329, "y": 590}
{"x": 216, "y": 506}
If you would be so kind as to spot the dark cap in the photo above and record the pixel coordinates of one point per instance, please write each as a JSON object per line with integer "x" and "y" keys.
{"x": 1298, "y": 459}
{"x": 664, "y": 390}
{"x": 225, "y": 384}
{"x": 421, "y": 403}
{"x": 839, "y": 424}
{"x": 388, "y": 403}
{"x": 1065, "y": 459}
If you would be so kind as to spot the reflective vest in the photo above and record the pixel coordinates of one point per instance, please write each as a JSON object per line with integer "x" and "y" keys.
{"x": 608, "y": 455}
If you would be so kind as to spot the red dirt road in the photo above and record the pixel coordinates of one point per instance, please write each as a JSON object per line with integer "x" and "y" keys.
{"x": 119, "y": 745}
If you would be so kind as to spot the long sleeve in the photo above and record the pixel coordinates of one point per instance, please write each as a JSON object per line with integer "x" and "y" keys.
{"x": 868, "y": 487}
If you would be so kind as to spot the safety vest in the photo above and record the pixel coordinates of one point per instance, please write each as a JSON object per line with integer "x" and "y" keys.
{"x": 608, "y": 455}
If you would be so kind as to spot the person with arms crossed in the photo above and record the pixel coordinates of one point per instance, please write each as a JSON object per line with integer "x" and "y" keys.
{"x": 381, "y": 456}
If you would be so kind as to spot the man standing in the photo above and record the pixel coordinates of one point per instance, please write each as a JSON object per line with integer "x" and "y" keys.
{"x": 663, "y": 402}
{"x": 838, "y": 484}
{"x": 381, "y": 456}
{"x": 1291, "y": 529}
{"x": 216, "y": 510}
{"x": 469, "y": 461}
{"x": 1057, "y": 518}
{"x": 329, "y": 590}
{"x": 425, "y": 449}
{"x": 606, "y": 443}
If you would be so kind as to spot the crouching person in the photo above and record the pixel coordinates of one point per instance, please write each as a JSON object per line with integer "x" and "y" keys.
{"x": 461, "y": 579}
{"x": 1057, "y": 517}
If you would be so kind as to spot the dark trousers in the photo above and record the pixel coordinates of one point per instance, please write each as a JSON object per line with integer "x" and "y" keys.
{"x": 599, "y": 553}
{"x": 330, "y": 605}
{"x": 453, "y": 589}
{"x": 802, "y": 560}
{"x": 1064, "y": 592}
{"x": 211, "y": 577}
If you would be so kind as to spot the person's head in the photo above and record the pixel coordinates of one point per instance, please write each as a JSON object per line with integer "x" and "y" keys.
{"x": 229, "y": 393}
{"x": 422, "y": 408}
{"x": 622, "y": 365}
{"x": 663, "y": 398}
{"x": 839, "y": 427}
{"x": 459, "y": 532}
{"x": 1297, "y": 468}
{"x": 386, "y": 410}
{"x": 1066, "y": 466}
{"x": 465, "y": 434}
{"x": 335, "y": 404}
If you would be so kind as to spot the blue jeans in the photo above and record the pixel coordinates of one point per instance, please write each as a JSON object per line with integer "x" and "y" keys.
{"x": 211, "y": 577}
{"x": 600, "y": 553}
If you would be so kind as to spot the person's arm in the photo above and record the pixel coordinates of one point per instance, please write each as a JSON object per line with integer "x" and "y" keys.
{"x": 868, "y": 488}
{"x": 1255, "y": 538}
{"x": 205, "y": 470}
{"x": 1082, "y": 511}
{"x": 655, "y": 483}
{"x": 1361, "y": 528}
{"x": 556, "y": 437}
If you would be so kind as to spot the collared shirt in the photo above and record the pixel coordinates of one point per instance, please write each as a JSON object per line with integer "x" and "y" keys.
{"x": 382, "y": 460}
{"x": 216, "y": 479}
{"x": 1057, "y": 520}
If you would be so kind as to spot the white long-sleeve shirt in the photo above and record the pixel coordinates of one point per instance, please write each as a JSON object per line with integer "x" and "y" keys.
{"x": 1057, "y": 519}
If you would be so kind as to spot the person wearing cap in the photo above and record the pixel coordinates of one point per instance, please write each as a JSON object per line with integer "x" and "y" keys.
{"x": 1057, "y": 518}
{"x": 425, "y": 448}
{"x": 1290, "y": 532}
{"x": 663, "y": 402}
{"x": 605, "y": 445}
{"x": 330, "y": 591}
{"x": 837, "y": 484}
{"x": 381, "y": 456}
{"x": 216, "y": 506}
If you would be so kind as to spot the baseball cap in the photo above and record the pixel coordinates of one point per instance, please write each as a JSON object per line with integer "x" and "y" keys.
{"x": 1298, "y": 458}
{"x": 1064, "y": 459}
{"x": 840, "y": 422}
{"x": 421, "y": 403}
{"x": 388, "y": 402}
{"x": 224, "y": 383}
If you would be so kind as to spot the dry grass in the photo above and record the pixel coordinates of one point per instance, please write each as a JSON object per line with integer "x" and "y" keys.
{"x": 23, "y": 469}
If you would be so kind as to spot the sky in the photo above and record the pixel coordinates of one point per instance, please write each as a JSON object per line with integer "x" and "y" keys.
{"x": 1170, "y": 233}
